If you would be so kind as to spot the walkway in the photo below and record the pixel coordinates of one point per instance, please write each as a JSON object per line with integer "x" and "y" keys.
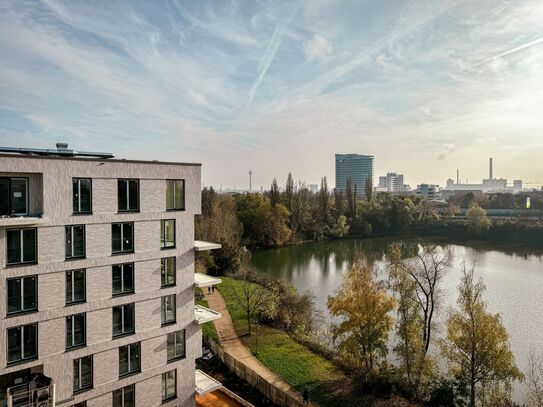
{"x": 232, "y": 345}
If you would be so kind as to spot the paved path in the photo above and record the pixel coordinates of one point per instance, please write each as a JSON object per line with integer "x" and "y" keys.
{"x": 232, "y": 345}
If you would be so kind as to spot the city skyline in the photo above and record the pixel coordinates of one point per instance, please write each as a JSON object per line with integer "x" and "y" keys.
{"x": 282, "y": 86}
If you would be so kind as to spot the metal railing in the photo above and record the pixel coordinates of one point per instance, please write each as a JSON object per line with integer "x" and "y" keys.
{"x": 22, "y": 396}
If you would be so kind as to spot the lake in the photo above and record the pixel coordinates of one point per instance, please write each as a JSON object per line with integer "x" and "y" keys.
{"x": 513, "y": 277}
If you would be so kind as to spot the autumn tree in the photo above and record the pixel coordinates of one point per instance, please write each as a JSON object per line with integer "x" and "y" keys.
{"x": 274, "y": 193}
{"x": 339, "y": 202}
{"x": 476, "y": 219}
{"x": 477, "y": 347}
{"x": 350, "y": 194}
{"x": 254, "y": 299}
{"x": 365, "y": 306}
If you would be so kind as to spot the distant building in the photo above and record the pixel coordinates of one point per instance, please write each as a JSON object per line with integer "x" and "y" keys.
{"x": 357, "y": 167}
{"x": 313, "y": 188}
{"x": 393, "y": 182}
{"x": 428, "y": 191}
{"x": 517, "y": 185}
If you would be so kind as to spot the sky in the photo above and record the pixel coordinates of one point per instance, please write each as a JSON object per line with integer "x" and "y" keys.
{"x": 426, "y": 86}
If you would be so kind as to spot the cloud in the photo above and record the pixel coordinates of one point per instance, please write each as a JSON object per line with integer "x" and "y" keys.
{"x": 448, "y": 149}
{"x": 317, "y": 48}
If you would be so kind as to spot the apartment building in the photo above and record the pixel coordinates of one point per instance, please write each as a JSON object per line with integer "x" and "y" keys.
{"x": 356, "y": 167}
{"x": 97, "y": 272}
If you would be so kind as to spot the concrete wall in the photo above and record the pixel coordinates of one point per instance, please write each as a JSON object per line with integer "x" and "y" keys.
{"x": 51, "y": 190}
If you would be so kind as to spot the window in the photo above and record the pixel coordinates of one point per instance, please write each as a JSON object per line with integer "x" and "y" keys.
{"x": 22, "y": 294}
{"x": 123, "y": 278}
{"x": 176, "y": 345}
{"x": 169, "y": 385}
{"x": 83, "y": 374}
{"x": 125, "y": 397}
{"x": 122, "y": 235}
{"x": 81, "y": 404}
{"x": 167, "y": 271}
{"x": 123, "y": 319}
{"x": 129, "y": 359}
{"x": 167, "y": 233}
{"x": 22, "y": 246}
{"x": 75, "y": 241}
{"x": 22, "y": 343}
{"x": 168, "y": 309}
{"x": 76, "y": 332}
{"x": 82, "y": 194}
{"x": 75, "y": 286}
{"x": 128, "y": 195}
{"x": 175, "y": 194}
{"x": 14, "y": 196}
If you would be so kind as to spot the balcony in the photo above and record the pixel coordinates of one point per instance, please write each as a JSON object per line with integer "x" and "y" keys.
{"x": 201, "y": 246}
{"x": 205, "y": 384}
{"x": 38, "y": 392}
{"x": 203, "y": 315}
{"x": 21, "y": 199}
{"x": 203, "y": 280}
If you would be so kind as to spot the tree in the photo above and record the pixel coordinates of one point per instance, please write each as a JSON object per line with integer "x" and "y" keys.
{"x": 477, "y": 346}
{"x": 368, "y": 189}
{"x": 289, "y": 192}
{"x": 339, "y": 202}
{"x": 325, "y": 201}
{"x": 409, "y": 322}
{"x": 365, "y": 306}
{"x": 253, "y": 299}
{"x": 341, "y": 228}
{"x": 477, "y": 220}
{"x": 274, "y": 193}
{"x": 351, "y": 198}
{"x": 426, "y": 271}
{"x": 534, "y": 379}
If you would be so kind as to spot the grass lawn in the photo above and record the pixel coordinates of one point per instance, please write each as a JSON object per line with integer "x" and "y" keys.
{"x": 295, "y": 363}
{"x": 208, "y": 329}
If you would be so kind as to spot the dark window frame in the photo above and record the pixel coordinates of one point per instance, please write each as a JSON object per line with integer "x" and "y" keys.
{"x": 163, "y": 268}
{"x": 164, "y": 385}
{"x": 175, "y": 356}
{"x": 123, "y": 332}
{"x": 183, "y": 208}
{"x": 72, "y": 345}
{"x": 27, "y": 192}
{"x": 122, "y": 238}
{"x": 80, "y": 389}
{"x": 163, "y": 234}
{"x": 79, "y": 211}
{"x": 72, "y": 283}
{"x": 127, "y": 180}
{"x": 122, "y": 266}
{"x": 163, "y": 311}
{"x": 22, "y": 359}
{"x": 71, "y": 229}
{"x": 130, "y": 372}
{"x": 22, "y": 262}
{"x": 122, "y": 392}
{"x": 21, "y": 299}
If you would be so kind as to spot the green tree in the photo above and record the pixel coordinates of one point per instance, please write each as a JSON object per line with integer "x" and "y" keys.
{"x": 365, "y": 306}
{"x": 289, "y": 192}
{"x": 368, "y": 189}
{"x": 339, "y": 202}
{"x": 341, "y": 228}
{"x": 476, "y": 219}
{"x": 477, "y": 346}
{"x": 274, "y": 193}
{"x": 325, "y": 201}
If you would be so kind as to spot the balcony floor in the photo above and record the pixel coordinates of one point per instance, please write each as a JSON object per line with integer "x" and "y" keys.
{"x": 216, "y": 399}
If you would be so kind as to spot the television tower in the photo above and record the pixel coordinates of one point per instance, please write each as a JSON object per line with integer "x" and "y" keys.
{"x": 250, "y": 180}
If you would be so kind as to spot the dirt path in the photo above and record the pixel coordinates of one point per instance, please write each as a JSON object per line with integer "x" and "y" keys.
{"x": 233, "y": 346}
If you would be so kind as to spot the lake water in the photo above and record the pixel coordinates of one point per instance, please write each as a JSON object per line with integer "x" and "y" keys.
{"x": 513, "y": 277}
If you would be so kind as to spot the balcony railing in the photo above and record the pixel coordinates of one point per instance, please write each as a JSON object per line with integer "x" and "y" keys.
{"x": 27, "y": 396}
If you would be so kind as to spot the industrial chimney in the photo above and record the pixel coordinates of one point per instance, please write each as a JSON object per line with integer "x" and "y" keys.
{"x": 491, "y": 176}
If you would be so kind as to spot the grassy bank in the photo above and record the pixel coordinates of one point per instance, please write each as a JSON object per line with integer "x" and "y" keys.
{"x": 297, "y": 365}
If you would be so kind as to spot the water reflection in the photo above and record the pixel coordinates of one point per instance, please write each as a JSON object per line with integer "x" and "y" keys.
{"x": 513, "y": 276}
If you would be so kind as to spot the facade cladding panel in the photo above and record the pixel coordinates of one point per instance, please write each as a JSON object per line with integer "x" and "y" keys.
{"x": 356, "y": 167}
{"x": 51, "y": 194}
